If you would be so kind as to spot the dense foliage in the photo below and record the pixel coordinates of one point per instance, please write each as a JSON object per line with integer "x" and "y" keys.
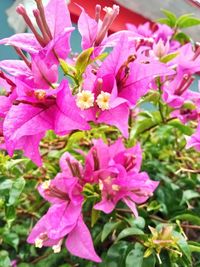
{"x": 112, "y": 166}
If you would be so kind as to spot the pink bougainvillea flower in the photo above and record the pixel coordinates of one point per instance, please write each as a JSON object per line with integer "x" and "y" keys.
{"x": 151, "y": 35}
{"x": 55, "y": 27}
{"x": 116, "y": 170}
{"x": 176, "y": 92}
{"x": 187, "y": 61}
{"x": 37, "y": 73}
{"x": 94, "y": 31}
{"x": 118, "y": 84}
{"x": 144, "y": 30}
{"x": 185, "y": 115}
{"x": 26, "y": 123}
{"x": 7, "y": 82}
{"x": 194, "y": 140}
{"x": 25, "y": 41}
{"x": 63, "y": 219}
{"x": 133, "y": 72}
{"x": 106, "y": 106}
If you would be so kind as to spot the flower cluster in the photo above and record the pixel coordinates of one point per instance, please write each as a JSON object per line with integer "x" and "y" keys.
{"x": 113, "y": 171}
{"x": 95, "y": 88}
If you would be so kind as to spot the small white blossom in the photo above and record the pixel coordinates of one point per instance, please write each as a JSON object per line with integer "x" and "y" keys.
{"x": 45, "y": 185}
{"x": 115, "y": 187}
{"x": 85, "y": 99}
{"x": 57, "y": 248}
{"x": 103, "y": 100}
{"x": 38, "y": 242}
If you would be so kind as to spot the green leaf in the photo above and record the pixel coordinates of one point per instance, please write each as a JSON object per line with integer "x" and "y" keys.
{"x": 187, "y": 20}
{"x": 164, "y": 21}
{"x": 166, "y": 262}
{"x": 152, "y": 96}
{"x": 12, "y": 163}
{"x": 144, "y": 125}
{"x": 182, "y": 37}
{"x": 10, "y": 214}
{"x": 138, "y": 222}
{"x": 100, "y": 57}
{"x": 7, "y": 184}
{"x": 153, "y": 206}
{"x": 188, "y": 195}
{"x": 171, "y": 17}
{"x": 23, "y": 264}
{"x": 11, "y": 239}
{"x": 75, "y": 138}
{"x": 194, "y": 246}
{"x": 67, "y": 69}
{"x": 169, "y": 57}
{"x": 129, "y": 232}
{"x": 116, "y": 255}
{"x": 188, "y": 217}
{"x": 183, "y": 245}
{"x": 15, "y": 191}
{"x": 135, "y": 256}
{"x": 4, "y": 259}
{"x": 181, "y": 127}
{"x": 83, "y": 61}
{"x": 149, "y": 262}
{"x": 108, "y": 228}
{"x": 94, "y": 217}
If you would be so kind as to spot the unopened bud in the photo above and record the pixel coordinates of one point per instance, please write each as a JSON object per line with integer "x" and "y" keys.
{"x": 160, "y": 49}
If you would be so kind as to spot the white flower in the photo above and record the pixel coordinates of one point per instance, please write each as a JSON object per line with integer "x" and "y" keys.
{"x": 85, "y": 99}
{"x": 57, "y": 248}
{"x": 103, "y": 100}
{"x": 38, "y": 242}
{"x": 45, "y": 185}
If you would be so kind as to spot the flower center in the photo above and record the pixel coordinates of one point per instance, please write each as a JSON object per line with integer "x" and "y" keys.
{"x": 40, "y": 94}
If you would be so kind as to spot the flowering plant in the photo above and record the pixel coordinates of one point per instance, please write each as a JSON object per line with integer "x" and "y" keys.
{"x": 105, "y": 168}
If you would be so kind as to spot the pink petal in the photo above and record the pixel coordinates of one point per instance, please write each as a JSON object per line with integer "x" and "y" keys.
{"x": 131, "y": 205}
{"x": 61, "y": 219}
{"x": 15, "y": 67}
{"x": 25, "y": 41}
{"x": 117, "y": 117}
{"x": 116, "y": 58}
{"x": 105, "y": 205}
{"x": 88, "y": 29}
{"x": 68, "y": 116}
{"x": 79, "y": 242}
{"x": 57, "y": 16}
